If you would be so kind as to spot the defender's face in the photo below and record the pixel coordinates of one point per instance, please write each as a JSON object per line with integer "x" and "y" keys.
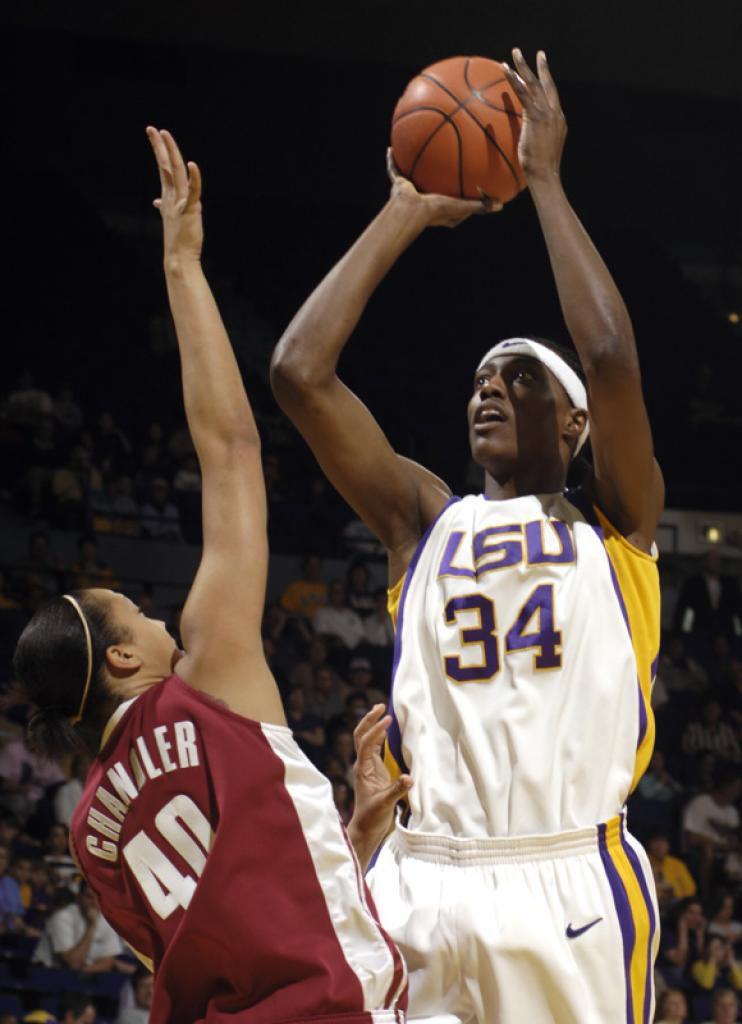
{"x": 149, "y": 637}
{"x": 515, "y": 412}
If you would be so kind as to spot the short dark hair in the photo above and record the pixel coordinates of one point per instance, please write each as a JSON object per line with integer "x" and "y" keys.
{"x": 73, "y": 1002}
{"x": 50, "y": 664}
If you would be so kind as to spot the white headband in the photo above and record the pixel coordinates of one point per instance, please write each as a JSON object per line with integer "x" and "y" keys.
{"x": 552, "y": 361}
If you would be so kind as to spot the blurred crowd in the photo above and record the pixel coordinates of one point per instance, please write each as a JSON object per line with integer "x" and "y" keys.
{"x": 329, "y": 641}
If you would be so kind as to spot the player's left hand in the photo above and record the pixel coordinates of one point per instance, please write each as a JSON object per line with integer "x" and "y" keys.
{"x": 376, "y": 794}
{"x": 180, "y": 198}
{"x": 544, "y": 126}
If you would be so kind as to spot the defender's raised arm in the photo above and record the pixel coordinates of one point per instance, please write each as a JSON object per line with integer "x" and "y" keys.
{"x": 222, "y": 616}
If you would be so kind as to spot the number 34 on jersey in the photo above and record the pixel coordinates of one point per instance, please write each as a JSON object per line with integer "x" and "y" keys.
{"x": 472, "y": 628}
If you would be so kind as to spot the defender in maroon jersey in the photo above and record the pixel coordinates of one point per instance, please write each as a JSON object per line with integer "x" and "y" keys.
{"x": 210, "y": 840}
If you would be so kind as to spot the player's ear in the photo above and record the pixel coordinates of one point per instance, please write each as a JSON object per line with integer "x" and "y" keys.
{"x": 122, "y": 660}
{"x": 574, "y": 424}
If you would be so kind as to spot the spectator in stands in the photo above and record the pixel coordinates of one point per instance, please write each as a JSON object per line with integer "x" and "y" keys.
{"x": 734, "y": 697}
{"x": 304, "y": 596}
{"x": 160, "y": 516}
{"x": 683, "y": 939}
{"x": 717, "y": 966}
{"x": 187, "y": 490}
{"x": 723, "y": 922}
{"x": 711, "y": 735}
{"x": 358, "y": 540}
{"x": 671, "y": 875}
{"x": 342, "y": 794}
{"x": 7, "y": 603}
{"x": 76, "y": 1009}
{"x": 115, "y": 509}
{"x": 28, "y": 403}
{"x": 11, "y": 908}
{"x": 43, "y": 561}
{"x": 325, "y": 696}
{"x": 720, "y": 665}
{"x": 711, "y": 823}
{"x": 112, "y": 447}
{"x": 79, "y": 938}
{"x": 43, "y": 894}
{"x": 360, "y": 596}
{"x": 377, "y": 627}
{"x": 672, "y": 1007}
{"x": 90, "y": 570}
{"x": 58, "y": 856}
{"x": 724, "y": 1007}
{"x": 341, "y": 747}
{"x": 67, "y": 412}
{"x": 336, "y": 622}
{"x": 24, "y": 777}
{"x": 361, "y": 677}
{"x": 42, "y": 458}
{"x": 71, "y": 486}
{"x": 67, "y": 796}
{"x": 678, "y": 671}
{"x": 657, "y": 783}
{"x": 307, "y": 728}
{"x": 710, "y": 601}
{"x": 142, "y": 984}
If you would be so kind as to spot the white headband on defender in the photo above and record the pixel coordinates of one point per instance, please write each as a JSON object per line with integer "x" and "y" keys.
{"x": 552, "y": 361}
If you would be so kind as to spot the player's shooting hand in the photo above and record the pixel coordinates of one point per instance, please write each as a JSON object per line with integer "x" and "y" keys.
{"x": 376, "y": 794}
{"x": 438, "y": 211}
{"x": 180, "y": 199}
{"x": 544, "y": 127}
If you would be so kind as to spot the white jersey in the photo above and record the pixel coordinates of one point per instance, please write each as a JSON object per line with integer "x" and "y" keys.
{"x": 526, "y": 645}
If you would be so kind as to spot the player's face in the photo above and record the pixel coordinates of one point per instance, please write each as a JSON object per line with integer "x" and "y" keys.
{"x": 516, "y": 414}
{"x": 150, "y": 640}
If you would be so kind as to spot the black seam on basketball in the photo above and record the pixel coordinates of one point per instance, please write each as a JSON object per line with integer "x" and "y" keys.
{"x": 462, "y": 106}
{"x": 445, "y": 119}
{"x": 482, "y": 89}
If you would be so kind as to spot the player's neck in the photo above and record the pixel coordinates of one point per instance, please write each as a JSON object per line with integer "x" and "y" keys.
{"x": 501, "y": 485}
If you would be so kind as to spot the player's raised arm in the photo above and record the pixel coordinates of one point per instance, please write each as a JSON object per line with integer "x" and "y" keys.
{"x": 628, "y": 485}
{"x": 221, "y": 620}
{"x": 347, "y": 440}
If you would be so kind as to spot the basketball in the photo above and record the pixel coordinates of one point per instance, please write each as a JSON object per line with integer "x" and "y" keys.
{"x": 455, "y": 130}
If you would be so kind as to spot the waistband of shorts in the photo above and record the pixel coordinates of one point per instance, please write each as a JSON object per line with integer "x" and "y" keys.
{"x": 506, "y": 850}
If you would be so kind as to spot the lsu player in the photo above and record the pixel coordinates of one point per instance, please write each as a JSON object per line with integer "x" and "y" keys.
{"x": 211, "y": 842}
{"x": 527, "y": 630}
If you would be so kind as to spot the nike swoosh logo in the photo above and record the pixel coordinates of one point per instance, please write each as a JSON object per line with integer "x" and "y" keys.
{"x": 572, "y": 933}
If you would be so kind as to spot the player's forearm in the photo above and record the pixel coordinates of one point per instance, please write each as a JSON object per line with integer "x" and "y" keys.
{"x": 308, "y": 353}
{"x": 593, "y": 309}
{"x": 364, "y": 843}
{"x": 216, "y": 405}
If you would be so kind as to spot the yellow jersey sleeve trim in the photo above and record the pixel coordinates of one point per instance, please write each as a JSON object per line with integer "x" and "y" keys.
{"x": 638, "y": 581}
{"x": 394, "y": 596}
{"x": 610, "y": 528}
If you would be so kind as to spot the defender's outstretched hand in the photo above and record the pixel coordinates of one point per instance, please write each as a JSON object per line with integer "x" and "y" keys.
{"x": 376, "y": 794}
{"x": 440, "y": 211}
{"x": 180, "y": 198}
{"x": 544, "y": 126}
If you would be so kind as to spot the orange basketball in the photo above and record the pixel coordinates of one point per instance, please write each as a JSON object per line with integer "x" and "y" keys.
{"x": 456, "y": 128}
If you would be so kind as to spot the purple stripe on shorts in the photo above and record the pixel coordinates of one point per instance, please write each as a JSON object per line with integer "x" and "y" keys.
{"x": 637, "y": 869}
{"x": 623, "y": 910}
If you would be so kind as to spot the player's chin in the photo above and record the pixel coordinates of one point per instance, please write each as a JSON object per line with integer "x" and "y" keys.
{"x": 490, "y": 449}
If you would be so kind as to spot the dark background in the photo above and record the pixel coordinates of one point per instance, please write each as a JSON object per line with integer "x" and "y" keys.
{"x": 287, "y": 107}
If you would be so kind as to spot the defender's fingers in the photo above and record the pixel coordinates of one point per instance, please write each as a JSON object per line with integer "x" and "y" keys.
{"x": 180, "y": 175}
{"x": 368, "y": 721}
{"x": 371, "y": 741}
{"x": 550, "y": 89}
{"x": 161, "y": 156}
{"x": 194, "y": 184}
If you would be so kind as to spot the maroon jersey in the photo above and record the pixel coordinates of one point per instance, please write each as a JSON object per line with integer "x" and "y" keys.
{"x": 215, "y": 850}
